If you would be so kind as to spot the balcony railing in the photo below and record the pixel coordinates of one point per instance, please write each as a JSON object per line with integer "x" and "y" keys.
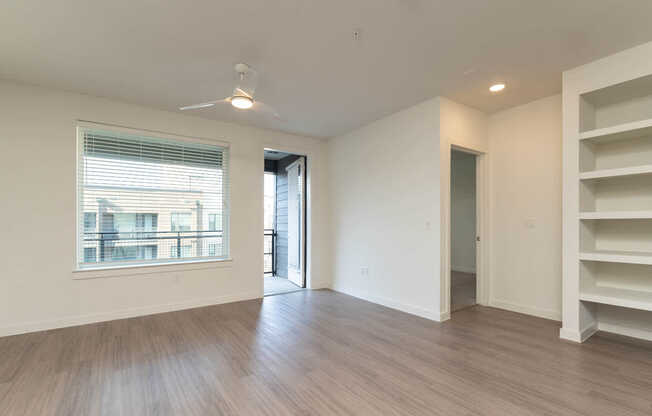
{"x": 152, "y": 245}
{"x": 269, "y": 254}
{"x": 141, "y": 245}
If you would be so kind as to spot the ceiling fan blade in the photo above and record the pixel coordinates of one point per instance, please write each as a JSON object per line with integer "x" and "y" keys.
{"x": 197, "y": 106}
{"x": 237, "y": 91}
{"x": 261, "y": 107}
{"x": 204, "y": 105}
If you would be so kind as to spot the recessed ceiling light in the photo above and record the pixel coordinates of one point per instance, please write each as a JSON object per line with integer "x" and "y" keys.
{"x": 497, "y": 87}
{"x": 242, "y": 102}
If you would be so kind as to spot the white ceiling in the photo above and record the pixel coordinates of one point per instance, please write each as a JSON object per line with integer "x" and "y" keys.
{"x": 164, "y": 54}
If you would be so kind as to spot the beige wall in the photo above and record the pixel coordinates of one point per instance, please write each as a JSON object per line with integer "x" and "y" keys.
{"x": 384, "y": 206}
{"x": 384, "y": 183}
{"x": 525, "y": 205}
{"x": 378, "y": 202}
{"x": 466, "y": 128}
{"x": 389, "y": 207}
{"x": 37, "y": 247}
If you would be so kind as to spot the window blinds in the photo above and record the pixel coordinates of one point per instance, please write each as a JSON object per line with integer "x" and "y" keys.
{"x": 145, "y": 199}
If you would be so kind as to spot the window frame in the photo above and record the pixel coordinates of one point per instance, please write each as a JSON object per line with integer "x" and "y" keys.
{"x": 107, "y": 269}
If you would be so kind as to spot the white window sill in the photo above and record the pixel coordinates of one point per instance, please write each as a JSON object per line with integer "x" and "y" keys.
{"x": 150, "y": 268}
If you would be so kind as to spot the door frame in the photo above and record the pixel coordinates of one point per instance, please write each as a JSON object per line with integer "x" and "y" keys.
{"x": 482, "y": 230}
{"x": 308, "y": 154}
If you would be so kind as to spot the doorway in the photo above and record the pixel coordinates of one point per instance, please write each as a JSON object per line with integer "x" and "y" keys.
{"x": 285, "y": 222}
{"x": 463, "y": 236}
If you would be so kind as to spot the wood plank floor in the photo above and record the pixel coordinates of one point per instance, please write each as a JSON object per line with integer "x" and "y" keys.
{"x": 463, "y": 286}
{"x": 320, "y": 352}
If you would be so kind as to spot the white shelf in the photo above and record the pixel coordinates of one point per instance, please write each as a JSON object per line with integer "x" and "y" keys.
{"x": 620, "y": 132}
{"x": 616, "y": 215}
{"x": 617, "y": 257}
{"x": 617, "y": 297}
{"x": 608, "y": 185}
{"x": 614, "y": 173}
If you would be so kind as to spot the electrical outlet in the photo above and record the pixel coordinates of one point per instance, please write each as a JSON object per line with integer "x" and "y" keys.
{"x": 364, "y": 271}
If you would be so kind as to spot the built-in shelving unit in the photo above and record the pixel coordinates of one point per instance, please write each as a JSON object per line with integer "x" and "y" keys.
{"x": 619, "y": 132}
{"x": 615, "y": 158}
{"x": 608, "y": 199}
{"x": 615, "y": 215}
{"x": 618, "y": 297}
{"x": 611, "y": 256}
{"x": 615, "y": 173}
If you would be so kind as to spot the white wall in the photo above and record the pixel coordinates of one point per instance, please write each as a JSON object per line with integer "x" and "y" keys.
{"x": 463, "y": 212}
{"x": 385, "y": 210}
{"x": 466, "y": 128}
{"x": 382, "y": 191}
{"x": 37, "y": 245}
{"x": 388, "y": 184}
{"x": 525, "y": 205}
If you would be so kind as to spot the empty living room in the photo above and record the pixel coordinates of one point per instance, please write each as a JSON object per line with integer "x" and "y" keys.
{"x": 373, "y": 207}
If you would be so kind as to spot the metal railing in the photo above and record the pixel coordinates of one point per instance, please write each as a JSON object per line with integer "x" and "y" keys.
{"x": 139, "y": 245}
{"x": 269, "y": 254}
{"x": 198, "y": 244}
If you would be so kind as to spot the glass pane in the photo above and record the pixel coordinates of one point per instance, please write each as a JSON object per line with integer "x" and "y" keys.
{"x": 143, "y": 199}
{"x": 270, "y": 200}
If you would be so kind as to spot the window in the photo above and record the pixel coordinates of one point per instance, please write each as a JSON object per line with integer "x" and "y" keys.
{"x": 181, "y": 221}
{"x": 212, "y": 249}
{"x": 123, "y": 238}
{"x": 213, "y": 220}
{"x": 178, "y": 251}
{"x": 145, "y": 199}
{"x": 133, "y": 252}
{"x": 126, "y": 222}
{"x": 90, "y": 222}
{"x": 90, "y": 255}
{"x": 146, "y": 222}
{"x": 270, "y": 200}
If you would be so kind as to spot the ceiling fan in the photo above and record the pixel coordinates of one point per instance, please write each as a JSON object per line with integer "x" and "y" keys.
{"x": 243, "y": 94}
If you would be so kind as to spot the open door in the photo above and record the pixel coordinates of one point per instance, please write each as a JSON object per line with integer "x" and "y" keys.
{"x": 296, "y": 216}
{"x": 464, "y": 234}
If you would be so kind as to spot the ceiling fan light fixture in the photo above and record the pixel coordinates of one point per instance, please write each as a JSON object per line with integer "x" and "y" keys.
{"x": 242, "y": 102}
{"x": 497, "y": 87}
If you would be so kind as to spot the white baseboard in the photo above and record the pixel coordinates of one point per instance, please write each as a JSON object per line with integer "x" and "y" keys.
{"x": 319, "y": 285}
{"x": 463, "y": 269}
{"x": 622, "y": 330}
{"x": 577, "y": 336}
{"x": 34, "y": 326}
{"x": 528, "y": 310}
{"x": 390, "y": 303}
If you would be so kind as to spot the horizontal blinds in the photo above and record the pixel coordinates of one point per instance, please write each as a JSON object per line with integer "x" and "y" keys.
{"x": 105, "y": 145}
{"x": 145, "y": 199}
